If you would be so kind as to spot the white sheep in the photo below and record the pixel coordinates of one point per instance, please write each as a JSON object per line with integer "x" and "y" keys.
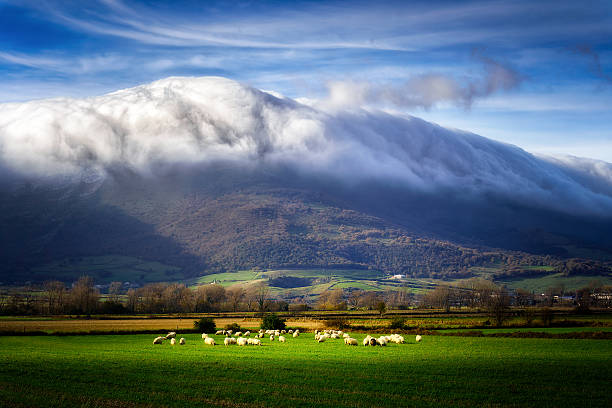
{"x": 271, "y": 337}
{"x": 382, "y": 341}
{"x": 283, "y": 331}
{"x": 159, "y": 340}
{"x": 170, "y": 335}
{"x": 242, "y": 341}
{"x": 238, "y": 334}
{"x": 181, "y": 341}
{"x": 255, "y": 342}
{"x": 247, "y": 333}
{"x": 334, "y": 336}
{"x": 210, "y": 341}
{"x": 204, "y": 335}
{"x": 227, "y": 341}
{"x": 320, "y": 339}
{"x": 366, "y": 340}
{"x": 218, "y": 333}
{"x": 282, "y": 339}
{"x": 173, "y": 341}
{"x": 418, "y": 338}
{"x": 349, "y": 341}
{"x": 296, "y": 333}
{"x": 290, "y": 331}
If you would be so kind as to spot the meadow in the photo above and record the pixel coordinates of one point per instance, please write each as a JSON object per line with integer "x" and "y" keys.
{"x": 129, "y": 371}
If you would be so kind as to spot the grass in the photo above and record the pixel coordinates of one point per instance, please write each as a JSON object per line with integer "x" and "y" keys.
{"x": 129, "y": 371}
{"x": 540, "y": 284}
{"x": 536, "y": 330}
{"x": 106, "y": 269}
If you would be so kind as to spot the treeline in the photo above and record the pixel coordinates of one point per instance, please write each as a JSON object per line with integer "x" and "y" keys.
{"x": 83, "y": 298}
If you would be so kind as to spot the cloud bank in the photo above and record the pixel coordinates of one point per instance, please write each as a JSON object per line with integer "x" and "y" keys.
{"x": 426, "y": 91}
{"x": 195, "y": 121}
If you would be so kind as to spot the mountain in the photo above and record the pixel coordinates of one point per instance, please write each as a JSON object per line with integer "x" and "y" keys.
{"x": 205, "y": 175}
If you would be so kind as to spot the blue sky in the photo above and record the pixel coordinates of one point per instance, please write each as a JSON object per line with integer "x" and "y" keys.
{"x": 536, "y": 74}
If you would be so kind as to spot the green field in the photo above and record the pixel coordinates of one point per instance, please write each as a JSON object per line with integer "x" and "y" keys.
{"x": 106, "y": 269}
{"x": 128, "y": 371}
{"x": 540, "y": 284}
{"x": 321, "y": 280}
{"x": 553, "y": 330}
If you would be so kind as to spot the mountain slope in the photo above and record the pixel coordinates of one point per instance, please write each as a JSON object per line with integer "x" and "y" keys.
{"x": 209, "y": 175}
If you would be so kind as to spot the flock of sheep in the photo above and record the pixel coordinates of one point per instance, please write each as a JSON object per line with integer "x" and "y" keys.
{"x": 244, "y": 339}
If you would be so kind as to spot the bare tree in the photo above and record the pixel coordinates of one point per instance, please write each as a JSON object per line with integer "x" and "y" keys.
{"x": 208, "y": 298}
{"x": 55, "y": 296}
{"x": 132, "y": 300}
{"x": 499, "y": 306}
{"x": 84, "y": 295}
{"x": 261, "y": 296}
{"x": 235, "y": 296}
{"x": 354, "y": 298}
{"x": 441, "y": 297}
{"x": 114, "y": 290}
{"x": 332, "y": 300}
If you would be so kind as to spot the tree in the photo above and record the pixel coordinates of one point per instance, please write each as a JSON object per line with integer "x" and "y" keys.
{"x": 261, "y": 296}
{"x": 332, "y": 300}
{"x": 208, "y": 298}
{"x": 114, "y": 290}
{"x": 440, "y": 297}
{"x": 205, "y": 325}
{"x": 271, "y": 321}
{"x": 55, "y": 294}
{"x": 84, "y": 295}
{"x": 499, "y": 306}
{"x": 235, "y": 296}
{"x": 381, "y": 307}
{"x": 132, "y": 300}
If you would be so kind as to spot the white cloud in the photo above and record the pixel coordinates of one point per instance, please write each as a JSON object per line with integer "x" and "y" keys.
{"x": 204, "y": 120}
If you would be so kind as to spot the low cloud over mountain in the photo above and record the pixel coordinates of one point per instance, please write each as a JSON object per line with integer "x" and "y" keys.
{"x": 200, "y": 121}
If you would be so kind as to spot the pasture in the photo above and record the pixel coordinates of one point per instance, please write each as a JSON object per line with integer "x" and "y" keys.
{"x": 129, "y": 371}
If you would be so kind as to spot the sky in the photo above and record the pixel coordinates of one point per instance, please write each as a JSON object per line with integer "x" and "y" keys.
{"x": 534, "y": 74}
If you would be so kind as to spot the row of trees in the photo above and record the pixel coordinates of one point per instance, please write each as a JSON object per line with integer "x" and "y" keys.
{"x": 83, "y": 297}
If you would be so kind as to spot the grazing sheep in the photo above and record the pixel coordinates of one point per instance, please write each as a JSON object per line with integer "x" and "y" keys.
{"x": 247, "y": 333}
{"x": 227, "y": 341}
{"x": 320, "y": 339}
{"x": 282, "y": 339}
{"x": 271, "y": 337}
{"x": 181, "y": 341}
{"x": 204, "y": 335}
{"x": 210, "y": 341}
{"x": 382, "y": 341}
{"x": 242, "y": 341}
{"x": 373, "y": 342}
{"x": 159, "y": 340}
{"x": 283, "y": 332}
{"x": 229, "y": 333}
{"x": 396, "y": 338}
{"x": 238, "y": 334}
{"x": 219, "y": 332}
{"x": 366, "y": 340}
{"x": 173, "y": 341}
{"x": 170, "y": 335}
{"x": 418, "y": 338}
{"x": 290, "y": 331}
{"x": 349, "y": 341}
{"x": 296, "y": 333}
{"x": 256, "y": 342}
{"x": 334, "y": 336}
